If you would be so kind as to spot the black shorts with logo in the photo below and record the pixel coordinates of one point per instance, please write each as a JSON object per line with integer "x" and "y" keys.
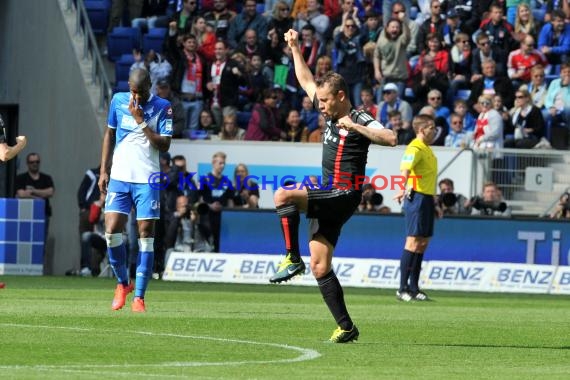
{"x": 331, "y": 208}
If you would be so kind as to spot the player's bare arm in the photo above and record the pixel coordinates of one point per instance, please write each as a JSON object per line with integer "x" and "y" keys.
{"x": 302, "y": 71}
{"x": 162, "y": 143}
{"x": 107, "y": 150}
{"x": 9, "y": 152}
{"x": 379, "y": 136}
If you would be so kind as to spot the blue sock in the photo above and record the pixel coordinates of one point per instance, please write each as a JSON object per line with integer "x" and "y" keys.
{"x": 118, "y": 258}
{"x": 145, "y": 262}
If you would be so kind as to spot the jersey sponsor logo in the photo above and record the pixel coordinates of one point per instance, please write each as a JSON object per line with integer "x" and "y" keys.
{"x": 128, "y": 122}
{"x": 329, "y": 136}
{"x": 408, "y": 158}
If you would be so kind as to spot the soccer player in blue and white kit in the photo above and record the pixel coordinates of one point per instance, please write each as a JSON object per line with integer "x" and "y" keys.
{"x": 139, "y": 127}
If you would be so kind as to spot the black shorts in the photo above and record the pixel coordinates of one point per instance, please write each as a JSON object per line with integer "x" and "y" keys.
{"x": 331, "y": 209}
{"x": 419, "y": 213}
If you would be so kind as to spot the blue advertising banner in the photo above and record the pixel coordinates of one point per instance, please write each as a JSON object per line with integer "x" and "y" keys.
{"x": 536, "y": 241}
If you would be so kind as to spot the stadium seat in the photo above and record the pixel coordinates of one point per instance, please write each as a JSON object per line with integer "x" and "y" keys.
{"x": 123, "y": 67}
{"x": 153, "y": 40}
{"x": 463, "y": 94}
{"x": 414, "y": 13}
{"x": 260, "y": 8}
{"x": 243, "y": 119}
{"x": 122, "y": 86}
{"x": 122, "y": 41}
{"x": 538, "y": 13}
{"x": 98, "y": 13}
{"x": 198, "y": 134}
{"x": 409, "y": 94}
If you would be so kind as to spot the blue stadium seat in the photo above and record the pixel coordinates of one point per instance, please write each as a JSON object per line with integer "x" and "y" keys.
{"x": 463, "y": 94}
{"x": 122, "y": 86}
{"x": 123, "y": 67}
{"x": 198, "y": 134}
{"x": 538, "y": 13}
{"x": 98, "y": 13}
{"x": 413, "y": 13}
{"x": 260, "y": 8}
{"x": 243, "y": 119}
{"x": 122, "y": 41}
{"x": 153, "y": 40}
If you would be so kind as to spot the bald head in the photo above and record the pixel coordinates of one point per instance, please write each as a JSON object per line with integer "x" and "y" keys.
{"x": 139, "y": 84}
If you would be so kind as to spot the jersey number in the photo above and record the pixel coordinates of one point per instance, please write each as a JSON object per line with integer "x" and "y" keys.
{"x": 110, "y": 198}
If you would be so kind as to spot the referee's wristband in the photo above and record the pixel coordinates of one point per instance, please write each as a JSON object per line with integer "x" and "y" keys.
{"x": 143, "y": 125}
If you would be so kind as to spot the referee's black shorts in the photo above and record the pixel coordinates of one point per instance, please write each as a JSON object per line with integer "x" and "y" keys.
{"x": 419, "y": 213}
{"x": 331, "y": 208}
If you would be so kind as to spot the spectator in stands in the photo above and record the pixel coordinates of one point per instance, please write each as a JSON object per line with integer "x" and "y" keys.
{"x": 216, "y": 191}
{"x": 400, "y": 10}
{"x": 230, "y": 130}
{"x": 134, "y": 9}
{"x": 219, "y": 19}
{"x": 392, "y": 102}
{"x": 93, "y": 245}
{"x": 463, "y": 9}
{"x": 225, "y": 77}
{"x": 315, "y": 17}
{"x": 554, "y": 40}
{"x": 189, "y": 230}
{"x": 188, "y": 74}
{"x": 439, "y": 56}
{"x": 500, "y": 32}
{"x": 460, "y": 108}
{"x": 369, "y": 33}
{"x": 522, "y": 60}
{"x": 349, "y": 11}
{"x": 525, "y": 23}
{"x": 388, "y": 9}
{"x": 260, "y": 78}
{"x": 246, "y": 190}
{"x": 449, "y": 202}
{"x": 264, "y": 122}
{"x": 426, "y": 80}
{"x": 490, "y": 203}
{"x": 317, "y": 135}
{"x": 178, "y": 114}
{"x": 491, "y": 84}
{"x": 390, "y": 58}
{"x": 457, "y": 137}
{"x": 207, "y": 122}
{"x": 557, "y": 100}
{"x": 295, "y": 128}
{"x": 309, "y": 114}
{"x": 209, "y": 5}
{"x": 205, "y": 38}
{"x": 323, "y": 66}
{"x": 158, "y": 67}
{"x": 527, "y": 122}
{"x": 556, "y": 5}
{"x": 451, "y": 29}
{"x": 299, "y": 6}
{"x": 487, "y": 52}
{"x": 350, "y": 62}
{"x": 250, "y": 45}
{"x": 248, "y": 19}
{"x": 310, "y": 46}
{"x": 460, "y": 65}
{"x": 434, "y": 24}
{"x": 153, "y": 15}
{"x": 489, "y": 126}
{"x": 367, "y": 102}
{"x": 404, "y": 134}
{"x": 181, "y": 22}
{"x": 499, "y": 105}
{"x": 281, "y": 20}
{"x": 435, "y": 99}
{"x": 372, "y": 201}
{"x": 246, "y": 95}
{"x": 538, "y": 88}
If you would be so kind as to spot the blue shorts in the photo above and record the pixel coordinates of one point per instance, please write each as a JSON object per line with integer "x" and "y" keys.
{"x": 121, "y": 196}
{"x": 419, "y": 214}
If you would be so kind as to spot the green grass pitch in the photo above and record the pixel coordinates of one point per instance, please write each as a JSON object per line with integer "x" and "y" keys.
{"x": 64, "y": 328}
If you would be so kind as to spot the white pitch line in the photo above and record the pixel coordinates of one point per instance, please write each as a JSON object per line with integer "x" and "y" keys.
{"x": 306, "y": 354}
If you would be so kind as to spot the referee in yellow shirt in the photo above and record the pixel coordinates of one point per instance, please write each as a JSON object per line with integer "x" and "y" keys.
{"x": 419, "y": 167}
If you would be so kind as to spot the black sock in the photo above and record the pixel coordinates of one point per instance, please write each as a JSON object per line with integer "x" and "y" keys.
{"x": 405, "y": 269}
{"x": 290, "y": 219}
{"x": 334, "y": 298}
{"x": 415, "y": 275}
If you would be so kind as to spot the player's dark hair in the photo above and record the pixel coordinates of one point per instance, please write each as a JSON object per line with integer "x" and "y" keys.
{"x": 140, "y": 78}
{"x": 335, "y": 81}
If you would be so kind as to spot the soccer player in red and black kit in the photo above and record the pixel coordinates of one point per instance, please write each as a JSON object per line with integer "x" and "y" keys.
{"x": 348, "y": 135}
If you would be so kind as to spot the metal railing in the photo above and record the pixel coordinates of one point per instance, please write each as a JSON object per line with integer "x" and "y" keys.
{"x": 473, "y": 167}
{"x": 90, "y": 49}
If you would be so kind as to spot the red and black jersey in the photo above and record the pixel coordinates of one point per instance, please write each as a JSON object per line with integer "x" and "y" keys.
{"x": 345, "y": 153}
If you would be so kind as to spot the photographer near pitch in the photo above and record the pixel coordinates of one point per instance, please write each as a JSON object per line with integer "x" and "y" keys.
{"x": 449, "y": 202}
{"x": 490, "y": 203}
{"x": 189, "y": 230}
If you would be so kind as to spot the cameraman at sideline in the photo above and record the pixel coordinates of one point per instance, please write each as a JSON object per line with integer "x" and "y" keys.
{"x": 450, "y": 203}
{"x": 490, "y": 203}
{"x": 187, "y": 231}
{"x": 562, "y": 210}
